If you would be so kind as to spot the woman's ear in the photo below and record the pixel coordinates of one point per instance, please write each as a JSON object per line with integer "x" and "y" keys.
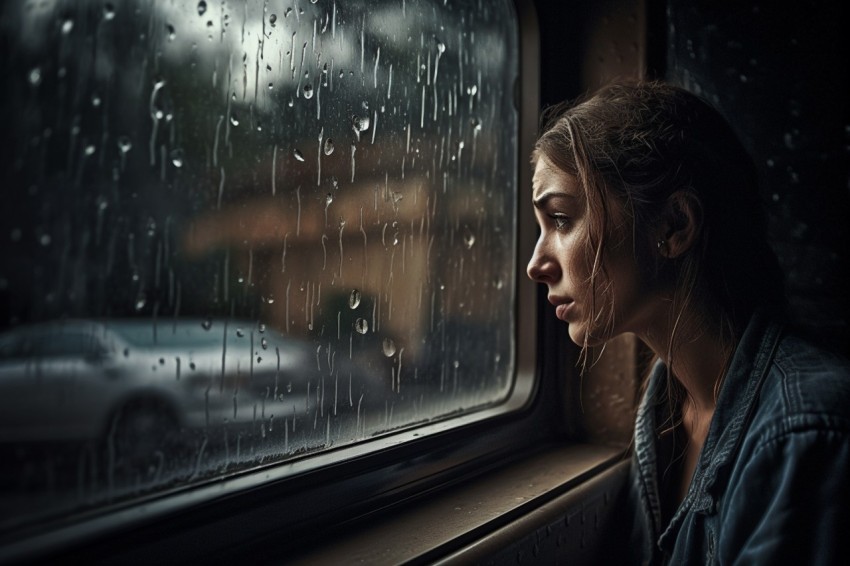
{"x": 682, "y": 222}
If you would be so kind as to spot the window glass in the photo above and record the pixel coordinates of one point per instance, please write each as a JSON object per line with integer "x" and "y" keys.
{"x": 238, "y": 233}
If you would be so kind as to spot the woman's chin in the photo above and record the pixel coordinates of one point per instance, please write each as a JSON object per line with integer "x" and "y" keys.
{"x": 577, "y": 335}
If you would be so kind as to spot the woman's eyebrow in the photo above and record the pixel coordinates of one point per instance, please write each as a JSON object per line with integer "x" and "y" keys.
{"x": 540, "y": 201}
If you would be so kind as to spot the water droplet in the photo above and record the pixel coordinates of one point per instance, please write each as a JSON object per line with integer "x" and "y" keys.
{"x": 177, "y": 157}
{"x": 124, "y": 144}
{"x": 44, "y": 240}
{"x": 264, "y": 343}
{"x": 202, "y": 7}
{"x": 308, "y": 92}
{"x": 90, "y": 149}
{"x": 289, "y": 387}
{"x": 472, "y": 90}
{"x": 354, "y": 299}
{"x": 108, "y": 11}
{"x": 360, "y": 123}
{"x": 291, "y": 103}
{"x": 239, "y": 333}
{"x": 192, "y": 366}
{"x": 389, "y": 347}
{"x": 397, "y": 196}
{"x": 140, "y": 302}
{"x": 273, "y": 19}
{"x": 441, "y": 47}
{"x": 298, "y": 155}
{"x": 234, "y": 120}
{"x": 361, "y": 326}
{"x": 271, "y": 86}
{"x": 313, "y": 1}
{"x": 469, "y": 240}
{"x": 329, "y": 198}
{"x": 329, "y": 146}
{"x": 171, "y": 33}
{"x": 67, "y": 26}
{"x": 207, "y": 324}
{"x": 151, "y": 226}
{"x": 287, "y": 12}
{"x": 95, "y": 100}
{"x": 35, "y": 76}
{"x": 261, "y": 327}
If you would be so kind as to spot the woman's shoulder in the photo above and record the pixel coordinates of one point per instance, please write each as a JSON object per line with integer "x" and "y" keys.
{"x": 807, "y": 387}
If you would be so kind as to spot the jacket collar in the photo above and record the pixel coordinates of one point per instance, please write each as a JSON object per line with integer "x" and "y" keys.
{"x": 735, "y": 405}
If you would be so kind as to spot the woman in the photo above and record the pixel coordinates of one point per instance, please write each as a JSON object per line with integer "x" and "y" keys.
{"x": 650, "y": 223}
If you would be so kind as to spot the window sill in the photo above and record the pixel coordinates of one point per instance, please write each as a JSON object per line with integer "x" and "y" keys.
{"x": 480, "y": 517}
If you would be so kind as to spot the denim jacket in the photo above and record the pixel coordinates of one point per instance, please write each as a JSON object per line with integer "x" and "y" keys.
{"x": 772, "y": 483}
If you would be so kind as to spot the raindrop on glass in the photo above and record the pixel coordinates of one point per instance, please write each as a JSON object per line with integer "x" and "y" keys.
{"x": 469, "y": 240}
{"x": 234, "y": 120}
{"x": 359, "y": 124}
{"x": 329, "y": 198}
{"x": 177, "y": 157}
{"x": 273, "y": 19}
{"x": 389, "y": 347}
{"x": 207, "y": 324}
{"x": 308, "y": 92}
{"x": 90, "y": 149}
{"x": 35, "y": 76}
{"x": 287, "y": 12}
{"x": 171, "y": 33}
{"x": 354, "y": 299}
{"x": 271, "y": 86}
{"x": 329, "y": 146}
{"x": 239, "y": 333}
{"x": 202, "y": 7}
{"x": 441, "y": 47}
{"x": 261, "y": 327}
{"x": 140, "y": 302}
{"x": 298, "y": 155}
{"x": 264, "y": 343}
{"x": 108, "y": 11}
{"x": 67, "y": 26}
{"x": 124, "y": 144}
{"x": 361, "y": 326}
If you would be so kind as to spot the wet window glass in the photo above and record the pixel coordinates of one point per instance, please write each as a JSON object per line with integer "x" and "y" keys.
{"x": 240, "y": 233}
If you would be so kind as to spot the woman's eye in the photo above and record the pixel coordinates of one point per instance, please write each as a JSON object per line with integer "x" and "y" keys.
{"x": 561, "y": 221}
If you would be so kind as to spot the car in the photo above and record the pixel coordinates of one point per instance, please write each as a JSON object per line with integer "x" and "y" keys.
{"x": 137, "y": 382}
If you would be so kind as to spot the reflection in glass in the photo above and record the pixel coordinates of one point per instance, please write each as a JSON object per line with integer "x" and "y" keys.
{"x": 237, "y": 234}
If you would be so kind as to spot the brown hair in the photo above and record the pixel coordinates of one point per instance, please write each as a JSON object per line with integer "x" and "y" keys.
{"x": 637, "y": 143}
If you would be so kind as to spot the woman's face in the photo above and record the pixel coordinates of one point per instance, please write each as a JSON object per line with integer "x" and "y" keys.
{"x": 561, "y": 261}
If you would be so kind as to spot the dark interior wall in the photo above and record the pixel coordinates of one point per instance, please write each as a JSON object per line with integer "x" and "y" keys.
{"x": 779, "y": 72}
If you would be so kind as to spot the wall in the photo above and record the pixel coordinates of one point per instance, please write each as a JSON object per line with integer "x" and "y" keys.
{"x": 778, "y": 72}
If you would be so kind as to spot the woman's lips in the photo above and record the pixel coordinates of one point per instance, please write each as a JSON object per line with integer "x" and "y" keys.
{"x": 563, "y": 310}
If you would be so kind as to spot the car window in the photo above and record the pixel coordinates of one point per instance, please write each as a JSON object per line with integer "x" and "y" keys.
{"x": 289, "y": 227}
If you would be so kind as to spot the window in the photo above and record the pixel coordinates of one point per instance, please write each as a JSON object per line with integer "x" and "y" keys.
{"x": 240, "y": 234}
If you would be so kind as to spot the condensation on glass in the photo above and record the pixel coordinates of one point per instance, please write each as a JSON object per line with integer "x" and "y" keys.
{"x": 238, "y": 233}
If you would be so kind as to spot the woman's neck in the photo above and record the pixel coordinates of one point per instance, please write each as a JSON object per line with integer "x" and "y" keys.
{"x": 697, "y": 360}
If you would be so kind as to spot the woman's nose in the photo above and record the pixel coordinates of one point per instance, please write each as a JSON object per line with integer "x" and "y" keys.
{"x": 542, "y": 268}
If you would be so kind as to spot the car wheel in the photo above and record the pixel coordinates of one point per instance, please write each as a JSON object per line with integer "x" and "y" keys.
{"x": 141, "y": 434}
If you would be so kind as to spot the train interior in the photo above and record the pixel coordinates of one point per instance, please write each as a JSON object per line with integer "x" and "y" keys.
{"x": 263, "y": 293}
